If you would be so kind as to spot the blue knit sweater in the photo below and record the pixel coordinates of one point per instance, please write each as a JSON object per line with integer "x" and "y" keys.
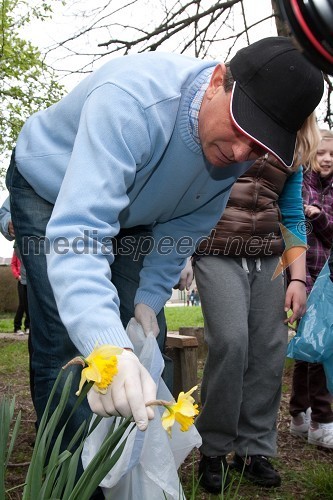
{"x": 5, "y": 218}
{"x": 116, "y": 152}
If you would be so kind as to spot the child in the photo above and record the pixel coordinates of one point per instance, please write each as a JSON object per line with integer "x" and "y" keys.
{"x": 309, "y": 391}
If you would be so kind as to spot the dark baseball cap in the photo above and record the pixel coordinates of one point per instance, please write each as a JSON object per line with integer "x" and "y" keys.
{"x": 276, "y": 88}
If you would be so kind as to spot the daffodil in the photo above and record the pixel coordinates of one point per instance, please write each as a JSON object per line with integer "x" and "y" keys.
{"x": 100, "y": 367}
{"x": 183, "y": 411}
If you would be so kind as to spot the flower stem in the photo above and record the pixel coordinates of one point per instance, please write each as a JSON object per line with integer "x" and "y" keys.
{"x": 75, "y": 361}
{"x": 159, "y": 402}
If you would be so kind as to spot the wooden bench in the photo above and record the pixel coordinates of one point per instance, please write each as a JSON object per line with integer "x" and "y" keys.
{"x": 183, "y": 350}
{"x": 198, "y": 333}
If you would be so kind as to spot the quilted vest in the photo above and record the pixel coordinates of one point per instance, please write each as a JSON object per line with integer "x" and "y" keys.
{"x": 249, "y": 226}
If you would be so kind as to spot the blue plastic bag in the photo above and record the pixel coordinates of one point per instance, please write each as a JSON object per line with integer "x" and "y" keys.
{"x": 314, "y": 339}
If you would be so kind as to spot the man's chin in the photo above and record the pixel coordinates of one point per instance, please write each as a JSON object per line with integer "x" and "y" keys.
{"x": 221, "y": 163}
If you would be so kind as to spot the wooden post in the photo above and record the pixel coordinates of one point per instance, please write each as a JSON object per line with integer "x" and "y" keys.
{"x": 198, "y": 332}
{"x": 183, "y": 350}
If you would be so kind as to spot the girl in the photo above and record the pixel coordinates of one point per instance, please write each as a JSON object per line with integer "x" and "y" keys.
{"x": 309, "y": 392}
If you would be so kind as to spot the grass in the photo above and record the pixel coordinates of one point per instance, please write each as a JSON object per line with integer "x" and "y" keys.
{"x": 14, "y": 357}
{"x": 183, "y": 316}
{"x": 318, "y": 481}
{"x": 6, "y": 322}
{"x": 175, "y": 316}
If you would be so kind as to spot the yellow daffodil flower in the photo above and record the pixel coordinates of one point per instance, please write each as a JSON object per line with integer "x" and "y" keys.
{"x": 183, "y": 411}
{"x": 100, "y": 367}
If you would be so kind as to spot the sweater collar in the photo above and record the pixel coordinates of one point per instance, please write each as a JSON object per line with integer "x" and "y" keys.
{"x": 196, "y": 104}
{"x": 187, "y": 124}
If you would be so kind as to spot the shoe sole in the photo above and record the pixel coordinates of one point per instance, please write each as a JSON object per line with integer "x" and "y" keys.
{"x": 318, "y": 443}
{"x": 212, "y": 490}
{"x": 215, "y": 491}
{"x": 263, "y": 484}
{"x": 254, "y": 479}
{"x": 225, "y": 481}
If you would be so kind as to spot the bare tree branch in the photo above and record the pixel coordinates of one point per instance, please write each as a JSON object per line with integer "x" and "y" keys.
{"x": 195, "y": 27}
{"x": 245, "y": 24}
{"x": 189, "y": 26}
{"x": 328, "y": 117}
{"x": 168, "y": 28}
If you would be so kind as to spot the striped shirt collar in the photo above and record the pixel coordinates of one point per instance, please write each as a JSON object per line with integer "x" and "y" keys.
{"x": 196, "y": 104}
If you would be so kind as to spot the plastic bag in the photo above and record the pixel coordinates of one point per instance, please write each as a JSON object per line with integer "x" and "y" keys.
{"x": 314, "y": 339}
{"x": 147, "y": 468}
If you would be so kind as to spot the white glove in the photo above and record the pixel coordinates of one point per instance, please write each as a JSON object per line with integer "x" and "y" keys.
{"x": 130, "y": 389}
{"x": 146, "y": 317}
{"x": 186, "y": 276}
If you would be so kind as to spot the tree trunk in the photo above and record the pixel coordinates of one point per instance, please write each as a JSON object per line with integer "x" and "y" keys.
{"x": 281, "y": 26}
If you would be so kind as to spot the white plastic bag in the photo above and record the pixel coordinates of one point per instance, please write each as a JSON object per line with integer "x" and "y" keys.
{"x": 147, "y": 468}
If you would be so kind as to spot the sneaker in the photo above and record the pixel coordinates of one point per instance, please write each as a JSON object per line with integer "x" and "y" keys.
{"x": 321, "y": 434}
{"x": 27, "y": 331}
{"x": 300, "y": 424}
{"x": 257, "y": 469}
{"x": 19, "y": 332}
{"x": 213, "y": 474}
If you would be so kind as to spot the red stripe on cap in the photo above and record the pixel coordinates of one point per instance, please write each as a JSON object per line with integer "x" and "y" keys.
{"x": 308, "y": 32}
{"x": 250, "y": 136}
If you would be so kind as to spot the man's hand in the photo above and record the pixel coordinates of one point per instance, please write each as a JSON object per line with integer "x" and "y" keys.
{"x": 146, "y": 317}
{"x": 186, "y": 277}
{"x": 128, "y": 393}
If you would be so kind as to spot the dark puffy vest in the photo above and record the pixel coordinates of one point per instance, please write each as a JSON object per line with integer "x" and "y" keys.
{"x": 249, "y": 226}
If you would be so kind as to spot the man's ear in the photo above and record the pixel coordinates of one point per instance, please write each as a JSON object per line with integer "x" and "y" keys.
{"x": 216, "y": 81}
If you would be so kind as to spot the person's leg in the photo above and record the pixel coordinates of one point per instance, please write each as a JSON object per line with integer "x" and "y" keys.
{"x": 26, "y": 308}
{"x": 31, "y": 371}
{"x": 263, "y": 378}
{"x": 299, "y": 404}
{"x": 51, "y": 345}
{"x": 321, "y": 425}
{"x": 20, "y": 308}
{"x": 320, "y": 398}
{"x": 268, "y": 337}
{"x": 225, "y": 299}
{"x": 299, "y": 399}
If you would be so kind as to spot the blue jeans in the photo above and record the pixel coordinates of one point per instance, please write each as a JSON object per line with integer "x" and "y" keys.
{"x": 51, "y": 345}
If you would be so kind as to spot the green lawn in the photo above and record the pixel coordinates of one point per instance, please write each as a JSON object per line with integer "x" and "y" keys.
{"x": 175, "y": 316}
{"x": 14, "y": 357}
{"x": 6, "y": 322}
{"x": 183, "y": 316}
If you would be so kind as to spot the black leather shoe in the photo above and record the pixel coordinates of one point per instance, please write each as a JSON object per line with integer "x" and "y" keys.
{"x": 98, "y": 494}
{"x": 257, "y": 469}
{"x": 213, "y": 473}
